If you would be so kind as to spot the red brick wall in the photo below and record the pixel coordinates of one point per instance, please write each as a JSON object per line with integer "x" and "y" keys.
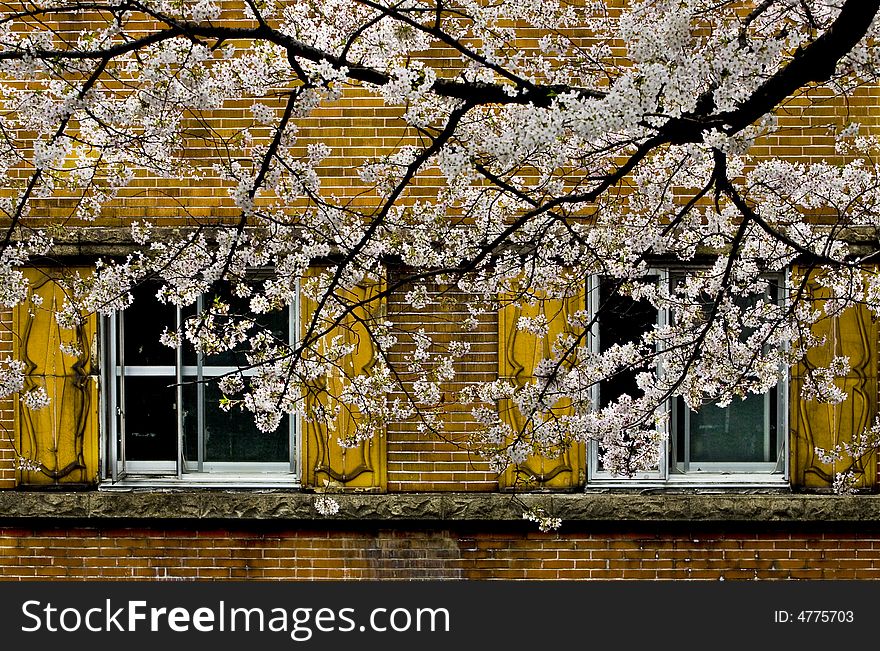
{"x": 465, "y": 552}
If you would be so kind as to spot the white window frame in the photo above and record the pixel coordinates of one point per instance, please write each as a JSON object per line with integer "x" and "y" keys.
{"x": 717, "y": 475}
{"x": 124, "y": 473}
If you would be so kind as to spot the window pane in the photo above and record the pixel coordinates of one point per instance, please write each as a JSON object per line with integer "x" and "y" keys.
{"x": 275, "y": 322}
{"x": 230, "y": 436}
{"x": 738, "y": 433}
{"x": 150, "y": 419}
{"x": 621, "y": 320}
{"x": 145, "y": 320}
{"x": 744, "y": 432}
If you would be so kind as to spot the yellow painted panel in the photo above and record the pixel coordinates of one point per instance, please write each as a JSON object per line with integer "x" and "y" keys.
{"x": 852, "y": 334}
{"x": 62, "y": 437}
{"x": 823, "y": 425}
{"x": 519, "y": 353}
{"x": 357, "y": 465}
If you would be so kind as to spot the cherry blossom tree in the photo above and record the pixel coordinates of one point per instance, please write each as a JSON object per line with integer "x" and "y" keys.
{"x": 545, "y": 145}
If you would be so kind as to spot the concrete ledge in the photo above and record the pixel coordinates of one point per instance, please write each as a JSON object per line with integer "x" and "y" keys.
{"x": 439, "y": 507}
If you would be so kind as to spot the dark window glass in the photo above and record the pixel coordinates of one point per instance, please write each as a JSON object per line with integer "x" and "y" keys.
{"x": 239, "y": 309}
{"x": 621, "y": 320}
{"x": 734, "y": 434}
{"x": 145, "y": 319}
{"x": 150, "y": 419}
{"x": 230, "y": 436}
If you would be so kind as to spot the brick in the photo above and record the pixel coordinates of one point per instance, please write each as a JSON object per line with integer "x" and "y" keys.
{"x": 401, "y": 553}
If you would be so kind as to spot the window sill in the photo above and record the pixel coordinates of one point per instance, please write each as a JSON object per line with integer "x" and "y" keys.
{"x": 197, "y": 481}
{"x": 706, "y": 482}
{"x": 275, "y": 505}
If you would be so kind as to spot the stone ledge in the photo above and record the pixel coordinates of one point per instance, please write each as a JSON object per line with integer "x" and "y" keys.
{"x": 437, "y": 507}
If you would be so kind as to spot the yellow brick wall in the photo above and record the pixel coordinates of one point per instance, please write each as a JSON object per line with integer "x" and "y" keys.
{"x": 808, "y": 120}
{"x": 7, "y": 405}
{"x": 358, "y": 127}
{"x": 419, "y": 461}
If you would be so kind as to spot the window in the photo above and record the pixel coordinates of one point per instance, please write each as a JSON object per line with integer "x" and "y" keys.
{"x": 164, "y": 423}
{"x": 741, "y": 443}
